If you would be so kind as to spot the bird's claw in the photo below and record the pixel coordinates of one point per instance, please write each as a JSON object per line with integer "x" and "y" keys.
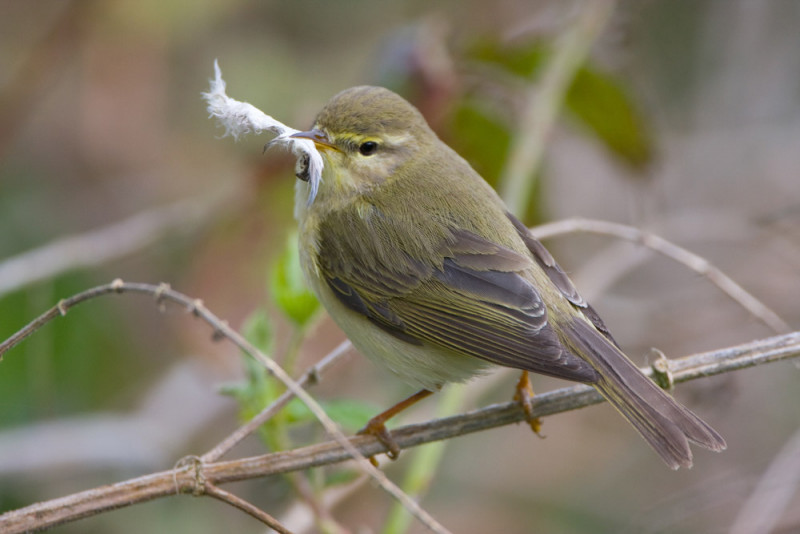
{"x": 381, "y": 433}
{"x": 524, "y": 396}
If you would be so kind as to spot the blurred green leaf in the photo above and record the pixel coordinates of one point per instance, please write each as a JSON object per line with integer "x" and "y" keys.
{"x": 605, "y": 107}
{"x": 595, "y": 98}
{"x": 73, "y": 364}
{"x": 484, "y": 139}
{"x": 257, "y": 390}
{"x": 257, "y": 330}
{"x": 522, "y": 58}
{"x": 352, "y": 415}
{"x": 341, "y": 476}
{"x": 481, "y": 137}
{"x": 288, "y": 288}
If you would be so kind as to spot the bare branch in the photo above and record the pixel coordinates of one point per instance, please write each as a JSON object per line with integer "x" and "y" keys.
{"x": 183, "y": 480}
{"x": 311, "y": 375}
{"x": 671, "y": 250}
{"x": 221, "y": 329}
{"x": 227, "y": 497}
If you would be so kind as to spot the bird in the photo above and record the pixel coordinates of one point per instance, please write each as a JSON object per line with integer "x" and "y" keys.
{"x": 419, "y": 261}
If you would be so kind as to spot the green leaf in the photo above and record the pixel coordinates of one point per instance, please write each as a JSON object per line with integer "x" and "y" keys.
{"x": 351, "y": 414}
{"x": 481, "y": 137}
{"x": 258, "y": 331}
{"x": 258, "y": 388}
{"x": 594, "y": 97}
{"x": 605, "y": 107}
{"x": 522, "y": 58}
{"x": 288, "y": 288}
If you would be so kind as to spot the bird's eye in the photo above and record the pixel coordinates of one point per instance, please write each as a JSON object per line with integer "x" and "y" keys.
{"x": 368, "y": 148}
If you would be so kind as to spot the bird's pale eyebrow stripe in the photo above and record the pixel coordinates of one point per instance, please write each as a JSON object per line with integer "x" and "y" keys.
{"x": 398, "y": 139}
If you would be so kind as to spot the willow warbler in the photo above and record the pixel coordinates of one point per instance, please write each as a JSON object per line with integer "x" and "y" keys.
{"x": 420, "y": 263}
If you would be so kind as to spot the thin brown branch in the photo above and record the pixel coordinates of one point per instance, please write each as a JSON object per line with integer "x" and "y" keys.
{"x": 183, "y": 480}
{"x": 248, "y": 508}
{"x": 163, "y": 293}
{"x": 310, "y": 376}
{"x": 691, "y": 260}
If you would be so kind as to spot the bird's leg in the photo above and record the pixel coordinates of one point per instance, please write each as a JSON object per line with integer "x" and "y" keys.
{"x": 524, "y": 396}
{"x": 377, "y": 425}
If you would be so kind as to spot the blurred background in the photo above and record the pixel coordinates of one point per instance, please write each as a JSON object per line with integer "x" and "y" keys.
{"x": 684, "y": 120}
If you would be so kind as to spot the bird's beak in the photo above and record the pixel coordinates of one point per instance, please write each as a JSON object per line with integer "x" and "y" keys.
{"x": 319, "y": 137}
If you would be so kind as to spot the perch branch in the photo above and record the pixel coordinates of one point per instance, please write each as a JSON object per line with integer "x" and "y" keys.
{"x": 183, "y": 479}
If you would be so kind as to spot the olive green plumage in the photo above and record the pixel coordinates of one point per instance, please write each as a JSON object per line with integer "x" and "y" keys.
{"x": 419, "y": 262}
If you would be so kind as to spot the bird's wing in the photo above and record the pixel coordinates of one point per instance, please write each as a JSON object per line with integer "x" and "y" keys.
{"x": 559, "y": 277}
{"x": 472, "y": 300}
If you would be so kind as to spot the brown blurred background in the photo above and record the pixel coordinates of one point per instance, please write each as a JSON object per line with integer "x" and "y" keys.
{"x": 686, "y": 123}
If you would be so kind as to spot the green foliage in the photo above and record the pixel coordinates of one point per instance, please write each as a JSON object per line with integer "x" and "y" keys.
{"x": 71, "y": 365}
{"x": 350, "y": 414}
{"x": 521, "y": 59}
{"x": 603, "y": 105}
{"x": 259, "y": 387}
{"x": 595, "y": 98}
{"x": 258, "y": 330}
{"x": 257, "y": 390}
{"x": 482, "y": 136}
{"x": 288, "y": 288}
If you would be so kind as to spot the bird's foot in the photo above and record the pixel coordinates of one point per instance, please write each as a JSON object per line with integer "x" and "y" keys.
{"x": 377, "y": 428}
{"x": 524, "y": 396}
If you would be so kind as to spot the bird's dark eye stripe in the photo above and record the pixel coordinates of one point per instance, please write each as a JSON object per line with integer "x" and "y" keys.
{"x": 367, "y": 148}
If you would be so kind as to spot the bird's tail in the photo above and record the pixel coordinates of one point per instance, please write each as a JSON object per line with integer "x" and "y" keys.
{"x": 667, "y": 425}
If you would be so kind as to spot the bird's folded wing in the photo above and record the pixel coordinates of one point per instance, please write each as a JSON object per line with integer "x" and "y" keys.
{"x": 476, "y": 302}
{"x": 559, "y": 277}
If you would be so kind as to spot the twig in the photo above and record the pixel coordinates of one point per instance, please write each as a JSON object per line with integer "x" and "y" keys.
{"x": 330, "y": 426}
{"x": 423, "y": 468}
{"x": 221, "y": 329}
{"x": 674, "y": 252}
{"x": 311, "y": 375}
{"x": 303, "y": 517}
{"x": 543, "y": 102}
{"x": 182, "y": 480}
{"x": 227, "y": 497}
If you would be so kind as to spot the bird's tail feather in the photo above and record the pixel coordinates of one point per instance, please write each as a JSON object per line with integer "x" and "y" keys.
{"x": 667, "y": 425}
